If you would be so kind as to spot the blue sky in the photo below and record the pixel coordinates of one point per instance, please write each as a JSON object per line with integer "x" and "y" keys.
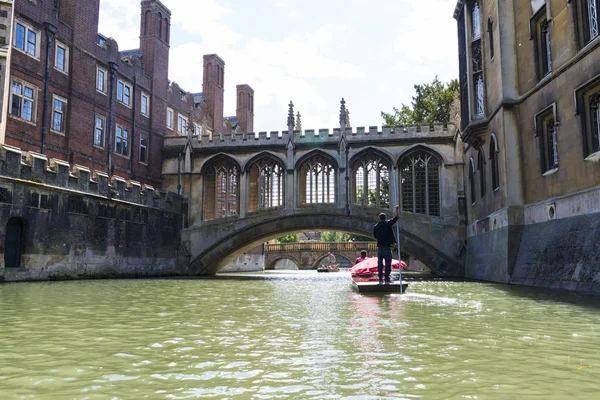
{"x": 313, "y": 52}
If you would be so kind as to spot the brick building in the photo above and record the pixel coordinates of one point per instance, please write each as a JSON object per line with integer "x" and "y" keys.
{"x": 530, "y": 90}
{"x": 75, "y": 97}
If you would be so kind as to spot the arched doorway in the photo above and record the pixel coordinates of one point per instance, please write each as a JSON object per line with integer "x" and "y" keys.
{"x": 13, "y": 243}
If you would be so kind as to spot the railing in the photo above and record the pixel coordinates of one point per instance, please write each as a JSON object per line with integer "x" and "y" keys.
{"x": 321, "y": 246}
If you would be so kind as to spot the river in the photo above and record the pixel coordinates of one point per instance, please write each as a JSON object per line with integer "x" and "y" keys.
{"x": 296, "y": 335}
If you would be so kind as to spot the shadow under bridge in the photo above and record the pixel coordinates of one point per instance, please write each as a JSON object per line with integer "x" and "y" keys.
{"x": 212, "y": 244}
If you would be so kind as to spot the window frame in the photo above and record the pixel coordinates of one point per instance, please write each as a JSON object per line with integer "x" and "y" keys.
{"x": 471, "y": 178}
{"x": 104, "y": 80}
{"x": 170, "y": 117}
{"x": 541, "y": 132}
{"x": 197, "y": 130}
{"x": 181, "y": 118}
{"x": 62, "y": 112}
{"x": 57, "y": 45}
{"x": 27, "y": 29}
{"x": 581, "y": 19}
{"x": 39, "y": 200}
{"x": 125, "y": 87}
{"x": 103, "y": 119}
{"x": 145, "y": 147}
{"x": 125, "y": 139}
{"x": 143, "y": 96}
{"x": 494, "y": 150}
{"x": 476, "y": 78}
{"x": 33, "y": 100}
{"x": 542, "y": 43}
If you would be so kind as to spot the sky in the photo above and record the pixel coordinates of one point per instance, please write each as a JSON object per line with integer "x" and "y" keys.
{"x": 310, "y": 52}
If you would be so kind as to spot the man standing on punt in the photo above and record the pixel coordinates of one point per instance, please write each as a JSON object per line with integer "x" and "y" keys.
{"x": 384, "y": 234}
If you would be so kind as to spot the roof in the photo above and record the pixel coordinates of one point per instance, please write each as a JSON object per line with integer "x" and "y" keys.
{"x": 129, "y": 53}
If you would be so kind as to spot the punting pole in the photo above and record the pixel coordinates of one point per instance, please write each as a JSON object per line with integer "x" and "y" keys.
{"x": 397, "y": 226}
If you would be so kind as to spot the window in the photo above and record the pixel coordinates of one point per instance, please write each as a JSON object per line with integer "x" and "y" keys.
{"x": 587, "y": 19}
{"x": 546, "y": 132}
{"x": 266, "y": 184}
{"x": 541, "y": 29}
{"x": 221, "y": 184}
{"x": 472, "y": 180}
{"x": 99, "y": 131}
{"x": 59, "y": 108}
{"x": 197, "y": 130}
{"x": 317, "y": 180}
{"x": 77, "y": 205}
{"x": 491, "y": 37}
{"x": 371, "y": 179}
{"x": 494, "y": 160}
{"x": 39, "y": 200}
{"x": 26, "y": 39}
{"x": 122, "y": 141}
{"x": 476, "y": 60}
{"x": 144, "y": 104}
{"x": 143, "y": 150}
{"x": 592, "y": 136}
{"x": 61, "y": 57}
{"x": 5, "y": 195}
{"x": 420, "y": 182}
{"x": 481, "y": 169}
{"x": 101, "y": 80}
{"x": 123, "y": 93}
{"x": 170, "y": 118}
{"x": 22, "y": 103}
{"x": 182, "y": 125}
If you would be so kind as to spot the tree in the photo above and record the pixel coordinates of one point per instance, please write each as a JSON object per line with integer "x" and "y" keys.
{"x": 332, "y": 237}
{"x": 431, "y": 105}
{"x": 288, "y": 239}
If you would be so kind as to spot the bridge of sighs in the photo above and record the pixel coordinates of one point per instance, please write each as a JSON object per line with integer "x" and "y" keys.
{"x": 245, "y": 189}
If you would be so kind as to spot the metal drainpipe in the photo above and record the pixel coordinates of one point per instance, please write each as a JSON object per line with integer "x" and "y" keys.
{"x": 111, "y": 117}
{"x": 132, "y": 141}
{"x": 50, "y": 32}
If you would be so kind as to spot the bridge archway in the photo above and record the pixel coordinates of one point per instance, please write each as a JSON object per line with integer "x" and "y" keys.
{"x": 214, "y": 246}
{"x": 277, "y": 264}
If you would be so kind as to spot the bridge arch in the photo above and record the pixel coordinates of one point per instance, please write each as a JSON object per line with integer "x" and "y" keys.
{"x": 317, "y": 178}
{"x": 371, "y": 178}
{"x": 214, "y": 245}
{"x": 273, "y": 262}
{"x": 414, "y": 148}
{"x": 265, "y": 181}
{"x": 217, "y": 157}
{"x": 263, "y": 154}
{"x": 221, "y": 187}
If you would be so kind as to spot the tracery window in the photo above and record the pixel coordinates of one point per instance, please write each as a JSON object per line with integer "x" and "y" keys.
{"x": 472, "y": 180}
{"x": 221, "y": 187}
{"x": 541, "y": 36}
{"x": 477, "y": 60}
{"x": 494, "y": 161}
{"x": 593, "y": 138}
{"x": 481, "y": 169}
{"x": 420, "y": 180}
{"x": 587, "y": 16}
{"x": 317, "y": 180}
{"x": 371, "y": 174}
{"x": 266, "y": 186}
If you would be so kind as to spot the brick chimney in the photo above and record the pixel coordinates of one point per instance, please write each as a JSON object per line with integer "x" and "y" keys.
{"x": 213, "y": 89}
{"x": 245, "y": 108}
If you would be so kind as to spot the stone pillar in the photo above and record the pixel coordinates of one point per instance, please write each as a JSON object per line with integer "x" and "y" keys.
{"x": 243, "y": 202}
{"x": 290, "y": 189}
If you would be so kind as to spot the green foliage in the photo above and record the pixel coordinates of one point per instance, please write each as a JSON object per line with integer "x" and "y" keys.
{"x": 430, "y": 105}
{"x": 288, "y": 239}
{"x": 332, "y": 237}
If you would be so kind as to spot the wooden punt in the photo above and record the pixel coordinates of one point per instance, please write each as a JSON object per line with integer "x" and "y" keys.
{"x": 375, "y": 287}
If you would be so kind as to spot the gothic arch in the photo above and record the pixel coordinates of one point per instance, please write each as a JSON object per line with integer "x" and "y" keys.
{"x": 266, "y": 181}
{"x": 494, "y": 153}
{"x": 317, "y": 178}
{"x": 264, "y": 154}
{"x": 214, "y": 158}
{"x": 221, "y": 187}
{"x": 420, "y": 181}
{"x": 371, "y": 178}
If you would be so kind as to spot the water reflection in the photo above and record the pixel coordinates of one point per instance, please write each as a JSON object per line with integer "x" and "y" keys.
{"x": 294, "y": 336}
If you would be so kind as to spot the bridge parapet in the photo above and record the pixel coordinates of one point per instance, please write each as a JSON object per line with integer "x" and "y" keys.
{"x": 309, "y": 255}
{"x": 309, "y": 136}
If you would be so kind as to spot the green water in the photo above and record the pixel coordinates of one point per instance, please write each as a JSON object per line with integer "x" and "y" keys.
{"x": 295, "y": 336}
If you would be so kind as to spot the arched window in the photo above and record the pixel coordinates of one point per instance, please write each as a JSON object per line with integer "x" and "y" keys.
{"x": 147, "y": 22}
{"x": 420, "y": 179}
{"x": 472, "y": 180}
{"x": 371, "y": 179}
{"x": 266, "y": 186}
{"x": 490, "y": 30}
{"x": 481, "y": 169}
{"x": 167, "y": 30}
{"x": 494, "y": 160}
{"x": 221, "y": 188}
{"x": 317, "y": 180}
{"x": 160, "y": 25}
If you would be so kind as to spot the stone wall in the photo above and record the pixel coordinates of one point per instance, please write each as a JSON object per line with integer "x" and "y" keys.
{"x": 79, "y": 226}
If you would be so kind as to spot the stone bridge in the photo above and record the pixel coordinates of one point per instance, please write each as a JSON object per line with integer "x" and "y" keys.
{"x": 246, "y": 189}
{"x": 310, "y": 255}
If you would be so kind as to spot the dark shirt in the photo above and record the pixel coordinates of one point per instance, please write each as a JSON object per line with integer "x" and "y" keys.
{"x": 384, "y": 233}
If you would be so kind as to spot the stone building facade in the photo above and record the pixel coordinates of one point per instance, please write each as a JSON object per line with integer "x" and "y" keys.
{"x": 530, "y": 86}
